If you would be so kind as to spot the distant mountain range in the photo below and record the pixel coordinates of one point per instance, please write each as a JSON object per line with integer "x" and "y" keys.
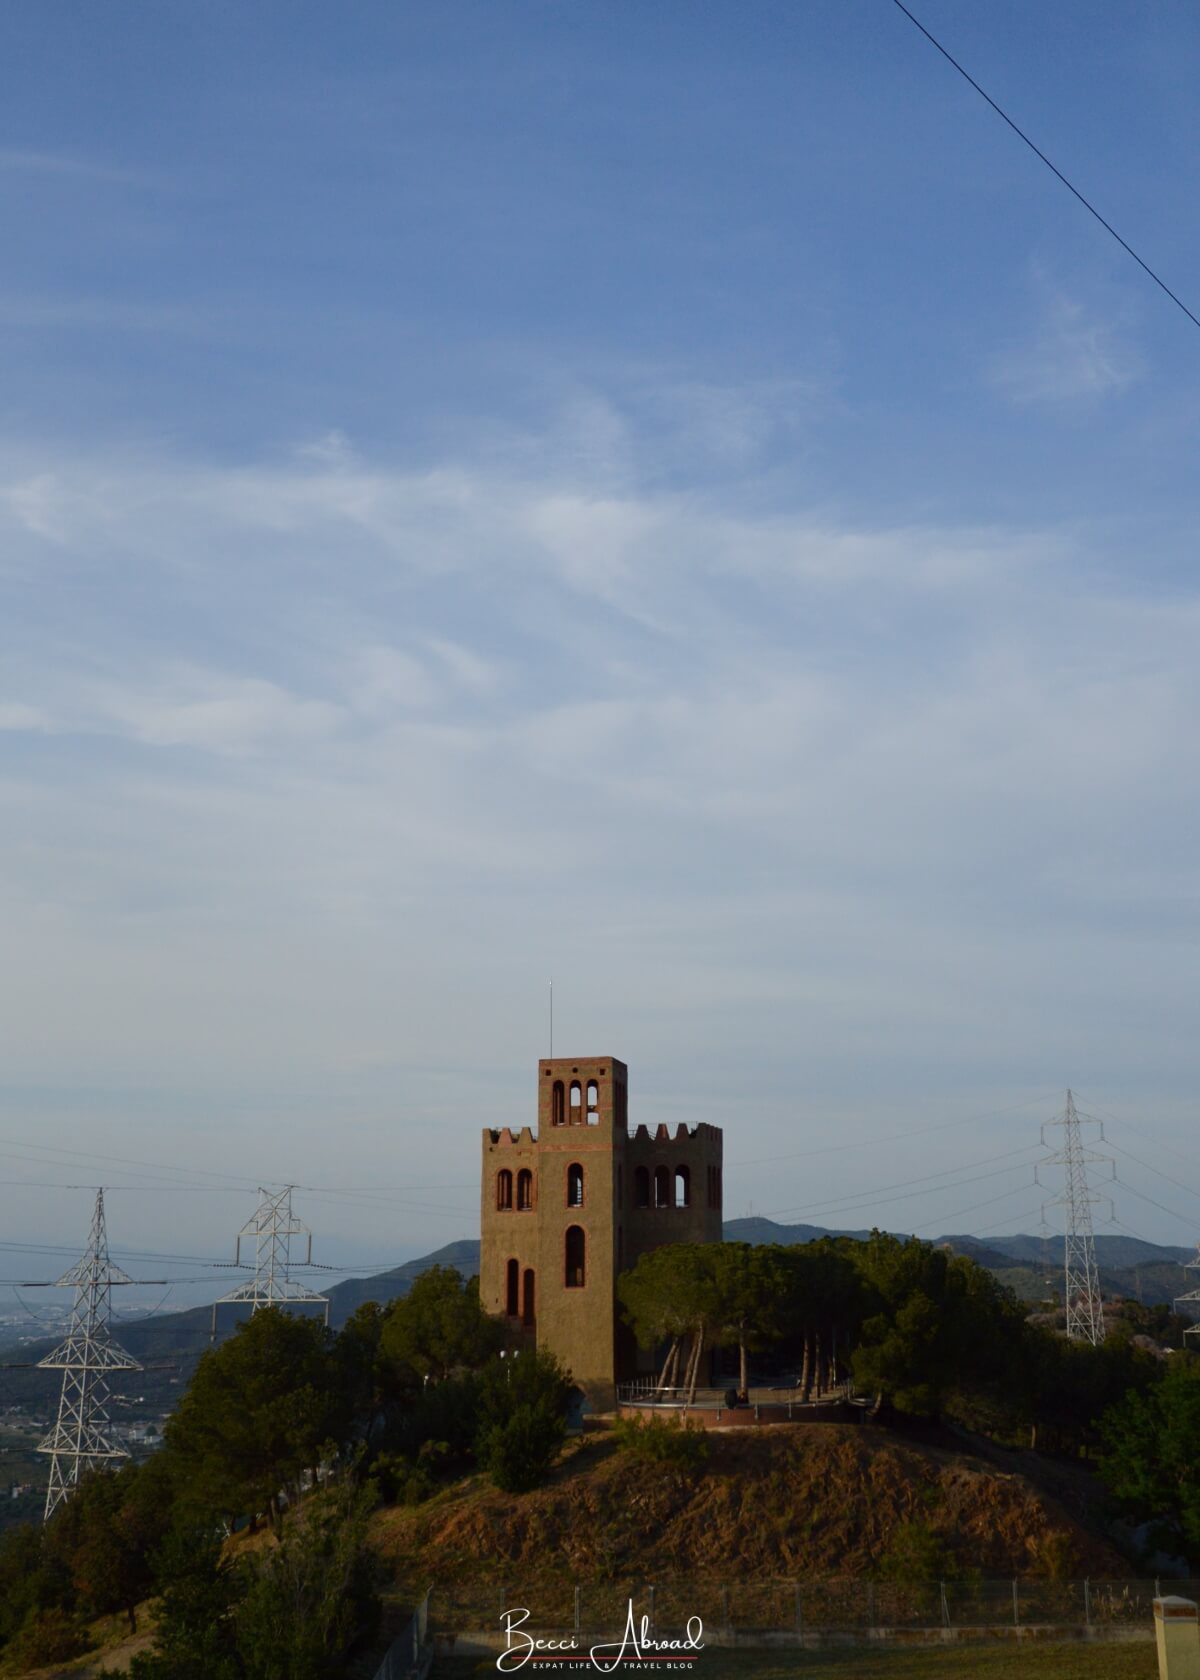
{"x": 1110, "y": 1251}
{"x": 169, "y": 1346}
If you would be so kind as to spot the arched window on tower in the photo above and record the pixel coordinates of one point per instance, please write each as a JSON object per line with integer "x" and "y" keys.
{"x": 557, "y": 1101}
{"x": 529, "y": 1308}
{"x": 504, "y": 1190}
{"x": 576, "y": 1251}
{"x": 575, "y": 1185}
{"x": 593, "y": 1103}
{"x": 511, "y": 1282}
{"x": 524, "y": 1190}
{"x": 576, "y": 1103}
{"x": 662, "y": 1187}
{"x": 641, "y": 1188}
{"x": 683, "y": 1187}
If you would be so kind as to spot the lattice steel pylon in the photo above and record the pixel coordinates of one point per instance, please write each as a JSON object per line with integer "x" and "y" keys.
{"x": 272, "y": 1228}
{"x": 1192, "y": 1298}
{"x": 1081, "y": 1278}
{"x": 79, "y": 1440}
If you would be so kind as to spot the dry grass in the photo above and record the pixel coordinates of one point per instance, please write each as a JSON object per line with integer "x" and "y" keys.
{"x": 807, "y": 1501}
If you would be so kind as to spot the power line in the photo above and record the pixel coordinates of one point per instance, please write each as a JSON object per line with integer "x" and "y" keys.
{"x": 962, "y": 1212}
{"x": 1054, "y": 170}
{"x": 1175, "y": 1183}
{"x": 987, "y": 1229}
{"x": 889, "y": 1137}
{"x": 1151, "y": 1137}
{"x": 1183, "y": 1218}
{"x": 123, "y": 1160}
{"x": 862, "y": 1199}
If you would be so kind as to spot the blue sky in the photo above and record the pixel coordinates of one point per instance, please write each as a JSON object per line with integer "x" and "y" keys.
{"x": 672, "y": 497}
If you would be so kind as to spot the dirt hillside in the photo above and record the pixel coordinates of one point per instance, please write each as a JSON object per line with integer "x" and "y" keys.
{"x": 810, "y": 1500}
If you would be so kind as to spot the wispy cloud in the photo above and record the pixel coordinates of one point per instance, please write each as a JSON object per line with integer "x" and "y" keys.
{"x": 1075, "y": 355}
{"x": 315, "y": 764}
{"x": 29, "y": 160}
{"x": 108, "y": 314}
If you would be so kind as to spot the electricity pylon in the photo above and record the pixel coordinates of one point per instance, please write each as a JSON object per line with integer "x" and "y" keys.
{"x": 272, "y": 1228}
{"x": 1081, "y": 1278}
{"x": 1192, "y": 1298}
{"x": 79, "y": 1440}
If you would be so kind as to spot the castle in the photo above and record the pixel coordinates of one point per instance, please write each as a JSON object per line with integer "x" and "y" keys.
{"x": 566, "y": 1210}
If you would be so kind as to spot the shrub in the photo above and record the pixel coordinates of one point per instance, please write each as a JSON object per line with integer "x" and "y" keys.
{"x": 663, "y": 1441}
{"x": 445, "y": 1414}
{"x": 917, "y": 1554}
{"x": 400, "y": 1481}
{"x": 47, "y": 1636}
{"x": 519, "y": 1453}
{"x": 1055, "y": 1555}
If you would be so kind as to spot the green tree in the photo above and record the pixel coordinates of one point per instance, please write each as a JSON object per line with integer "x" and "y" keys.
{"x": 822, "y": 1302}
{"x": 1149, "y": 1461}
{"x": 104, "y": 1534}
{"x": 750, "y": 1287}
{"x": 258, "y": 1412}
{"x": 941, "y": 1324}
{"x": 47, "y": 1636}
{"x": 1060, "y": 1390}
{"x": 32, "y": 1579}
{"x": 195, "y": 1633}
{"x": 522, "y": 1419}
{"x": 308, "y": 1601}
{"x": 438, "y": 1328}
{"x": 441, "y": 1421}
{"x": 519, "y": 1453}
{"x": 364, "y": 1379}
{"x": 672, "y": 1295}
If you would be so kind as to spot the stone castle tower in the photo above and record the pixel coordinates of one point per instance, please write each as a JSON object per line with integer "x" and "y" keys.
{"x": 566, "y": 1210}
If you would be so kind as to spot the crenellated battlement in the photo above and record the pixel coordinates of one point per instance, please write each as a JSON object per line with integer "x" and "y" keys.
{"x": 526, "y": 1137}
{"x": 701, "y": 1133}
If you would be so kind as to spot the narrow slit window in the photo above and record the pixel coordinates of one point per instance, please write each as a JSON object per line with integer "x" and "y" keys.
{"x": 683, "y": 1187}
{"x": 504, "y": 1189}
{"x": 512, "y": 1279}
{"x": 524, "y": 1190}
{"x": 576, "y": 1256}
{"x": 662, "y": 1187}
{"x": 575, "y": 1185}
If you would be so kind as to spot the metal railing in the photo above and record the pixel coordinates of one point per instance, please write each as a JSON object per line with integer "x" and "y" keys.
{"x": 646, "y": 1392}
{"x": 410, "y": 1650}
{"x": 777, "y": 1607}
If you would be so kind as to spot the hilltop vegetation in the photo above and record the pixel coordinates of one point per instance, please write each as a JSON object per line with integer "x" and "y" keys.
{"x": 293, "y": 1433}
{"x": 170, "y": 1344}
